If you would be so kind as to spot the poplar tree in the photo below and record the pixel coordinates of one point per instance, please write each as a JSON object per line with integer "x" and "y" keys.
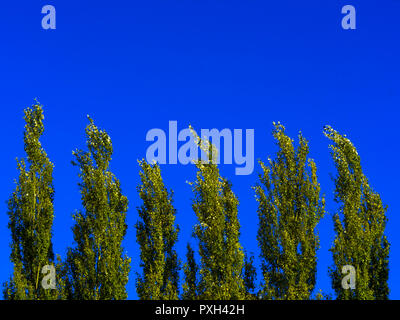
{"x": 31, "y": 213}
{"x": 98, "y": 269}
{"x": 249, "y": 276}
{"x": 190, "y": 269}
{"x": 218, "y": 231}
{"x": 157, "y": 235}
{"x": 289, "y": 209}
{"x": 359, "y": 226}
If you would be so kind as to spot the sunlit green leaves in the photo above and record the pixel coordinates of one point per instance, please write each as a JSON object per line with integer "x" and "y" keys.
{"x": 359, "y": 226}
{"x": 31, "y": 213}
{"x": 97, "y": 267}
{"x": 218, "y": 230}
{"x": 156, "y": 234}
{"x": 289, "y": 209}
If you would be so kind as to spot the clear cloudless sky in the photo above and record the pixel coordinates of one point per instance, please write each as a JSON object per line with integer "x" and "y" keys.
{"x": 237, "y": 64}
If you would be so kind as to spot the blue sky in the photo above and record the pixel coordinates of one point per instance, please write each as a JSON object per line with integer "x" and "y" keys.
{"x": 136, "y": 65}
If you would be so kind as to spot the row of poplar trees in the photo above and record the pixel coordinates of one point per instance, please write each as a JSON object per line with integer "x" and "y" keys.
{"x": 289, "y": 208}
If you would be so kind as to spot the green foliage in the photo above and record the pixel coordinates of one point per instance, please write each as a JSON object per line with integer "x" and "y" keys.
{"x": 320, "y": 295}
{"x": 218, "y": 232}
{"x": 156, "y": 235}
{"x": 97, "y": 269}
{"x": 359, "y": 225}
{"x": 249, "y": 277}
{"x": 31, "y": 213}
{"x": 289, "y": 210}
{"x": 190, "y": 269}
